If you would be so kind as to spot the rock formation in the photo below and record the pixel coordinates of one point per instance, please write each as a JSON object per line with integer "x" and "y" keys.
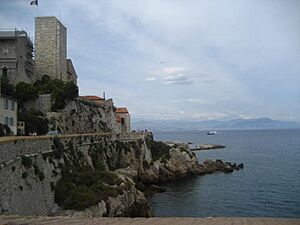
{"x": 82, "y": 116}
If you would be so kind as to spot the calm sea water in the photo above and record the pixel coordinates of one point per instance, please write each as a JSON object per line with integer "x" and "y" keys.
{"x": 269, "y": 185}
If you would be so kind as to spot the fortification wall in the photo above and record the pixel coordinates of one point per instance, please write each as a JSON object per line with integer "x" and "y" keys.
{"x": 29, "y": 190}
{"x": 43, "y": 103}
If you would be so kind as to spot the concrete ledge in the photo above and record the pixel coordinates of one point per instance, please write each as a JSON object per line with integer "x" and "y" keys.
{"x": 145, "y": 221}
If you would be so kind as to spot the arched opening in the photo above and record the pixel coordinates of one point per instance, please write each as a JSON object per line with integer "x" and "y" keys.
{"x": 4, "y": 71}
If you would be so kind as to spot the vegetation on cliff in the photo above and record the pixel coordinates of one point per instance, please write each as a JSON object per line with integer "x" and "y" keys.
{"x": 61, "y": 92}
{"x": 82, "y": 186}
{"x": 35, "y": 122}
{"x": 159, "y": 150}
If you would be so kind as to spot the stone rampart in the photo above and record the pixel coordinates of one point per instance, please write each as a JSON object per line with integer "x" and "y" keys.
{"x": 29, "y": 168}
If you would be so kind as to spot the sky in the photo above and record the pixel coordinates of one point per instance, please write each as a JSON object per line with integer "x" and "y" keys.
{"x": 180, "y": 59}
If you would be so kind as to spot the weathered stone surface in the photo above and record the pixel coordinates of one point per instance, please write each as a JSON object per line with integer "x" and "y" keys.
{"x": 81, "y": 116}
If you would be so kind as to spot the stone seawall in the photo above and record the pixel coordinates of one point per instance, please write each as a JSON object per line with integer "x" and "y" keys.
{"x": 29, "y": 168}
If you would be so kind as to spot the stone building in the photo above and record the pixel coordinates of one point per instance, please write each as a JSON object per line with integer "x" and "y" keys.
{"x": 71, "y": 73}
{"x": 123, "y": 119}
{"x": 16, "y": 56}
{"x": 8, "y": 112}
{"x": 51, "y": 50}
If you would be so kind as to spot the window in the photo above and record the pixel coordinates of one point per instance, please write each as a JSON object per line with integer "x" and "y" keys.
{"x": 6, "y": 120}
{"x": 4, "y": 71}
{"x": 6, "y": 104}
{"x": 5, "y": 49}
{"x": 12, "y": 106}
{"x": 11, "y": 121}
{"x": 122, "y": 121}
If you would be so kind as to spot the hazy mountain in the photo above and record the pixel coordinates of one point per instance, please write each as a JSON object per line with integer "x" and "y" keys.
{"x": 260, "y": 123}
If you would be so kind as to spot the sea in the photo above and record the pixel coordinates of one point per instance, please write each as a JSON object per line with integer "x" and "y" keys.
{"x": 268, "y": 186}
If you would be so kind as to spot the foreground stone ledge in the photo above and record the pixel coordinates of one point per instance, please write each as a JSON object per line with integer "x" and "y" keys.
{"x": 143, "y": 221}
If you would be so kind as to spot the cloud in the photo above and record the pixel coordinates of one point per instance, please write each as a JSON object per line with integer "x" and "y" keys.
{"x": 177, "y": 79}
{"x": 172, "y": 75}
{"x": 173, "y": 70}
{"x": 150, "y": 78}
{"x": 238, "y": 63}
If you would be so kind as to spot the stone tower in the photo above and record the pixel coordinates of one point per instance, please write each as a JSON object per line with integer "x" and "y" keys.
{"x": 50, "y": 48}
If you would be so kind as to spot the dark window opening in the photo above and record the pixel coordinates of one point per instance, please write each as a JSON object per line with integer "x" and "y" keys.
{"x": 122, "y": 121}
{"x": 4, "y": 71}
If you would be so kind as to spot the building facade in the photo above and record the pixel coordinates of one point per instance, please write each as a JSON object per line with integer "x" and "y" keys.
{"x": 8, "y": 112}
{"x": 16, "y": 56}
{"x": 123, "y": 119}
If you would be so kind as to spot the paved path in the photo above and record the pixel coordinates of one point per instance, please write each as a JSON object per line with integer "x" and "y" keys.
{"x": 144, "y": 221}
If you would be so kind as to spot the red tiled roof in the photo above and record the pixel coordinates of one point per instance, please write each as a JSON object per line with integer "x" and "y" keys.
{"x": 121, "y": 110}
{"x": 92, "y": 97}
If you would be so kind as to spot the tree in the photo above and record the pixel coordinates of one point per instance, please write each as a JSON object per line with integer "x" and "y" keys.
{"x": 71, "y": 91}
{"x": 25, "y": 92}
{"x": 35, "y": 121}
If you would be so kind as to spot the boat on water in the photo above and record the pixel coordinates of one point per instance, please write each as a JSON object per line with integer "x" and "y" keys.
{"x": 211, "y": 132}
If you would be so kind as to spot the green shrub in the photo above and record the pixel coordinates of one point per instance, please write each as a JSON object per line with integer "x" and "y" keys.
{"x": 85, "y": 187}
{"x": 97, "y": 163}
{"x": 159, "y": 150}
{"x": 62, "y": 191}
{"x": 25, "y": 92}
{"x": 58, "y": 148}
{"x": 26, "y": 162}
{"x": 24, "y": 175}
{"x": 36, "y": 169}
{"x": 35, "y": 121}
{"x": 80, "y": 198}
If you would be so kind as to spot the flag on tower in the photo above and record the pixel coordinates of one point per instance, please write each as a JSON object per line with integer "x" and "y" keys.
{"x": 34, "y": 2}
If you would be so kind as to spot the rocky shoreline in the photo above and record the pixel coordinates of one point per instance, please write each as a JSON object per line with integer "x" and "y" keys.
{"x": 172, "y": 163}
{"x": 103, "y": 177}
{"x": 207, "y": 147}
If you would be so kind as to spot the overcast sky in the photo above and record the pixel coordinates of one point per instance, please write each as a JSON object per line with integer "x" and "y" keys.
{"x": 180, "y": 59}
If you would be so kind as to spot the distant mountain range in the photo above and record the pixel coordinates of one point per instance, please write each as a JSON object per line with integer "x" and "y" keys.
{"x": 172, "y": 125}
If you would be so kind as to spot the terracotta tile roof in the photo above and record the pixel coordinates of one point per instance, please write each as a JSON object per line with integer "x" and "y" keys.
{"x": 121, "y": 110}
{"x": 92, "y": 97}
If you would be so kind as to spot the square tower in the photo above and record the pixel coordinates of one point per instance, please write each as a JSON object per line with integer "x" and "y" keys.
{"x": 50, "y": 48}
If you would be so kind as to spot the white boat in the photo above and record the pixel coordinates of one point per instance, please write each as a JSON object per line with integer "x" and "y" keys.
{"x": 211, "y": 132}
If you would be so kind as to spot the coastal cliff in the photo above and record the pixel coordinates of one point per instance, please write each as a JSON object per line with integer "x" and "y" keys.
{"x": 91, "y": 175}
